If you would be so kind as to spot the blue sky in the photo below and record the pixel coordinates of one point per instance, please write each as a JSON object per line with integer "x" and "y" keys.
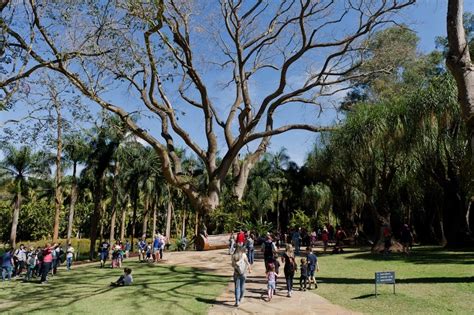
{"x": 427, "y": 18}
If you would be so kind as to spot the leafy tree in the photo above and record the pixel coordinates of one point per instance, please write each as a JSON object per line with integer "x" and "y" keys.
{"x": 17, "y": 169}
{"x": 139, "y": 44}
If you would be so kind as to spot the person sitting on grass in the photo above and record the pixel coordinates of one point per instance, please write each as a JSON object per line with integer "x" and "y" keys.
{"x": 125, "y": 279}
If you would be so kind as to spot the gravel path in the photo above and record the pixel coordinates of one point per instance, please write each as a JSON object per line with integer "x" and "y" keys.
{"x": 218, "y": 262}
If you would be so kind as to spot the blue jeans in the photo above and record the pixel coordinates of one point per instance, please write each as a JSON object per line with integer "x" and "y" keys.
{"x": 239, "y": 281}
{"x": 297, "y": 246}
{"x": 68, "y": 263}
{"x": 289, "y": 280}
{"x": 30, "y": 271}
{"x": 7, "y": 271}
{"x": 251, "y": 254}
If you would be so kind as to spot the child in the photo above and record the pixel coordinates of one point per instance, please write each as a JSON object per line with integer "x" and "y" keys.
{"x": 276, "y": 263}
{"x": 271, "y": 278}
{"x": 125, "y": 279}
{"x": 304, "y": 274}
{"x": 313, "y": 266}
{"x": 148, "y": 252}
{"x": 31, "y": 263}
{"x": 115, "y": 257}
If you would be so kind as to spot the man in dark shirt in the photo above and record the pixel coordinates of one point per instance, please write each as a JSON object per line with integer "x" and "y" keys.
{"x": 312, "y": 267}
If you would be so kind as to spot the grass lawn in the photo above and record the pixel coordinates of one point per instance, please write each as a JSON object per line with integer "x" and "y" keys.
{"x": 430, "y": 280}
{"x": 158, "y": 289}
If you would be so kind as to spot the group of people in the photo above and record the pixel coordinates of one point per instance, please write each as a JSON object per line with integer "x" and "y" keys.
{"x": 117, "y": 252}
{"x": 32, "y": 263}
{"x": 242, "y": 250}
{"x": 152, "y": 251}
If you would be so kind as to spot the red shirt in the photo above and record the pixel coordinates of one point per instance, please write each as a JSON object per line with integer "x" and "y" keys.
{"x": 240, "y": 237}
{"x": 47, "y": 256}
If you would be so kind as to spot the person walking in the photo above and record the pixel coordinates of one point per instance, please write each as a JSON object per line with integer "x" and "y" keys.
{"x": 290, "y": 268}
{"x": 313, "y": 266}
{"x": 269, "y": 250}
{"x": 47, "y": 262}
{"x": 7, "y": 265}
{"x": 69, "y": 256}
{"x": 20, "y": 260}
{"x": 241, "y": 266}
{"x": 250, "y": 248}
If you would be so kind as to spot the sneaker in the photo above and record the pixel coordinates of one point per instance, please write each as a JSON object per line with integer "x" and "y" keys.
{"x": 236, "y": 304}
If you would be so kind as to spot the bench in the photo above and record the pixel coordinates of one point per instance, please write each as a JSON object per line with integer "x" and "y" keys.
{"x": 218, "y": 241}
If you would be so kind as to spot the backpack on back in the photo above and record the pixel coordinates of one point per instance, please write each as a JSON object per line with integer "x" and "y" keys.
{"x": 241, "y": 266}
{"x": 268, "y": 252}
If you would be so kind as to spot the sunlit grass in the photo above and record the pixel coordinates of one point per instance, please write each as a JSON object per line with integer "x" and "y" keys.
{"x": 430, "y": 280}
{"x": 157, "y": 289}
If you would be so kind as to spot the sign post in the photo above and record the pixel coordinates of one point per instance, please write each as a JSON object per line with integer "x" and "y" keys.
{"x": 387, "y": 277}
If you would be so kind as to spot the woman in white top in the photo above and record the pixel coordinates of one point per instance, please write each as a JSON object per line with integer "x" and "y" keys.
{"x": 241, "y": 266}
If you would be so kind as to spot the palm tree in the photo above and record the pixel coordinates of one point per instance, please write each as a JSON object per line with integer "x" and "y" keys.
{"x": 76, "y": 151}
{"x": 259, "y": 197}
{"x": 18, "y": 166}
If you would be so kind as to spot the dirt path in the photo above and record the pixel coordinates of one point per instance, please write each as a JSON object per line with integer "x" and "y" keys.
{"x": 218, "y": 262}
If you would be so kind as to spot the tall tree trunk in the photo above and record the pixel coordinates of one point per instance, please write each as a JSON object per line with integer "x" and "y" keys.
{"x": 122, "y": 222}
{"x": 196, "y": 224}
{"x": 73, "y": 202}
{"x": 146, "y": 214}
{"x": 169, "y": 213}
{"x": 95, "y": 218}
{"x": 154, "y": 219}
{"x": 460, "y": 65}
{"x": 278, "y": 209}
{"x": 134, "y": 218}
{"x": 183, "y": 227}
{"x": 16, "y": 215}
{"x": 113, "y": 204}
{"x": 58, "y": 196}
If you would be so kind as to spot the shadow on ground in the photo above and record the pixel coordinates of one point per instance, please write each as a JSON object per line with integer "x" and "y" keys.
{"x": 430, "y": 255}
{"x": 86, "y": 286}
{"x": 405, "y": 280}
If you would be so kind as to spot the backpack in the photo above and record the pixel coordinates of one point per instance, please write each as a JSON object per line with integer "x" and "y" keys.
{"x": 292, "y": 266}
{"x": 241, "y": 266}
{"x": 268, "y": 251}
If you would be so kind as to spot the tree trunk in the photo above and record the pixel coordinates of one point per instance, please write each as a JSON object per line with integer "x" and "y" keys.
{"x": 58, "y": 195}
{"x": 146, "y": 215}
{"x": 73, "y": 203}
{"x": 95, "y": 218}
{"x": 242, "y": 172}
{"x": 16, "y": 215}
{"x": 278, "y": 209}
{"x": 122, "y": 224}
{"x": 459, "y": 63}
{"x": 196, "y": 224}
{"x": 183, "y": 227}
{"x": 154, "y": 220}
{"x": 169, "y": 213}
{"x": 113, "y": 204}
{"x": 134, "y": 218}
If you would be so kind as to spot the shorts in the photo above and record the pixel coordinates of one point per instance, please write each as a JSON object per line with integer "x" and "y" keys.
{"x": 311, "y": 272}
{"x": 156, "y": 250}
{"x": 103, "y": 256}
{"x": 271, "y": 285}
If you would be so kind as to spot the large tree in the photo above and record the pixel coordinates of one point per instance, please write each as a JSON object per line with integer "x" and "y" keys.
{"x": 16, "y": 170}
{"x": 302, "y": 51}
{"x": 459, "y": 62}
